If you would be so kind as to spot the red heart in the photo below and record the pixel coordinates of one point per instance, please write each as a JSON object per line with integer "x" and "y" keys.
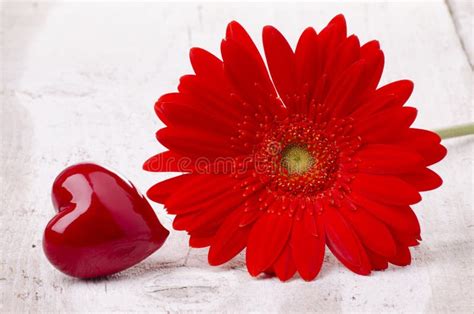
{"x": 103, "y": 225}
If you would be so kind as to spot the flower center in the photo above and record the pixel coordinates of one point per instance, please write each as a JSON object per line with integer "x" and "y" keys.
{"x": 296, "y": 159}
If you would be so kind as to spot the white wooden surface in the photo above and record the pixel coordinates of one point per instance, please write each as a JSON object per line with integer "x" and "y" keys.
{"x": 78, "y": 83}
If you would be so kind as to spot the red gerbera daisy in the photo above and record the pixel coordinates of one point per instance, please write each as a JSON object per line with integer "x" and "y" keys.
{"x": 313, "y": 154}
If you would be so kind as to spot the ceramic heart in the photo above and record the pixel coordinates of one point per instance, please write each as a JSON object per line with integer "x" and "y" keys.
{"x": 103, "y": 224}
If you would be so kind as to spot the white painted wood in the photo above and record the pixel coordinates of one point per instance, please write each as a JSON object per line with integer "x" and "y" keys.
{"x": 78, "y": 83}
{"x": 462, "y": 11}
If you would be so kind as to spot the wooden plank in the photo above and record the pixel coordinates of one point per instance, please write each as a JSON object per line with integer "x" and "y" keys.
{"x": 461, "y": 12}
{"x": 79, "y": 83}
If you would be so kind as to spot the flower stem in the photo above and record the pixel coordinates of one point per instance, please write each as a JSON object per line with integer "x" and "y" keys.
{"x": 456, "y": 131}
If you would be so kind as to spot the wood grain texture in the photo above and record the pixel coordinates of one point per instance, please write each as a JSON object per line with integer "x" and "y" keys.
{"x": 78, "y": 83}
{"x": 461, "y": 12}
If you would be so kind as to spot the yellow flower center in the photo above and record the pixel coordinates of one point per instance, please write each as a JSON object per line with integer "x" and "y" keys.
{"x": 296, "y": 159}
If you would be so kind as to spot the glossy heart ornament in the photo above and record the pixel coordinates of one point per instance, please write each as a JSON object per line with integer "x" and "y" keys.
{"x": 103, "y": 224}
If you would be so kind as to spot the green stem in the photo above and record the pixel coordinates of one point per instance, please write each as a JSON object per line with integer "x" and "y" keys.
{"x": 456, "y": 131}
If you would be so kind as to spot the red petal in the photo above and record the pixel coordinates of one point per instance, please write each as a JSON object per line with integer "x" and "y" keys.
{"x": 365, "y": 82}
{"x": 207, "y": 65}
{"x": 425, "y": 142}
{"x": 197, "y": 242}
{"x": 168, "y": 161}
{"x": 281, "y": 62}
{"x": 401, "y": 89}
{"x": 308, "y": 249}
{"x": 196, "y": 143}
{"x": 210, "y": 215}
{"x": 401, "y": 218}
{"x": 200, "y": 189}
{"x": 161, "y": 191}
{"x": 369, "y": 47}
{"x": 423, "y": 180}
{"x": 237, "y": 33}
{"x": 308, "y": 59}
{"x": 373, "y": 104}
{"x": 339, "y": 23}
{"x": 284, "y": 266}
{"x": 331, "y": 36}
{"x": 344, "y": 244}
{"x": 406, "y": 239}
{"x": 250, "y": 78}
{"x": 391, "y": 95}
{"x": 385, "y": 189}
{"x": 215, "y": 98}
{"x": 195, "y": 117}
{"x": 229, "y": 240}
{"x": 378, "y": 262}
{"x": 253, "y": 210}
{"x": 347, "y": 53}
{"x": 226, "y": 199}
{"x": 343, "y": 91}
{"x": 249, "y": 217}
{"x": 434, "y": 154}
{"x": 403, "y": 256}
{"x": 267, "y": 239}
{"x": 373, "y": 234}
{"x": 385, "y": 125}
{"x": 388, "y": 159}
{"x": 321, "y": 89}
{"x": 374, "y": 58}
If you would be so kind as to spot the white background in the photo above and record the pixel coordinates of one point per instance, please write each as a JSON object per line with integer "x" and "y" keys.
{"x": 79, "y": 81}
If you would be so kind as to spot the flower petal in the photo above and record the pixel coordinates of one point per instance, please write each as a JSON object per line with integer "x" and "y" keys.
{"x": 168, "y": 161}
{"x": 386, "y": 125}
{"x": 373, "y": 233}
{"x": 347, "y": 53}
{"x": 401, "y": 89}
{"x": 281, "y": 62}
{"x": 230, "y": 239}
{"x": 331, "y": 36}
{"x": 406, "y": 239}
{"x": 244, "y": 67}
{"x": 344, "y": 90}
{"x": 308, "y": 60}
{"x": 210, "y": 214}
{"x": 374, "y": 58}
{"x": 200, "y": 188}
{"x": 388, "y": 159}
{"x": 307, "y": 248}
{"x": 391, "y": 95}
{"x": 196, "y": 143}
{"x": 401, "y": 218}
{"x": 195, "y": 117}
{"x": 344, "y": 243}
{"x": 423, "y": 180}
{"x": 200, "y": 242}
{"x": 403, "y": 256}
{"x": 267, "y": 239}
{"x": 218, "y": 199}
{"x": 284, "y": 265}
{"x": 425, "y": 142}
{"x": 214, "y": 98}
{"x": 161, "y": 191}
{"x": 238, "y": 34}
{"x": 385, "y": 189}
{"x": 378, "y": 262}
{"x": 206, "y": 65}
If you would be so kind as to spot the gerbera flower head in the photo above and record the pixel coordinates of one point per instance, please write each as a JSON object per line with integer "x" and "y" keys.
{"x": 285, "y": 162}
